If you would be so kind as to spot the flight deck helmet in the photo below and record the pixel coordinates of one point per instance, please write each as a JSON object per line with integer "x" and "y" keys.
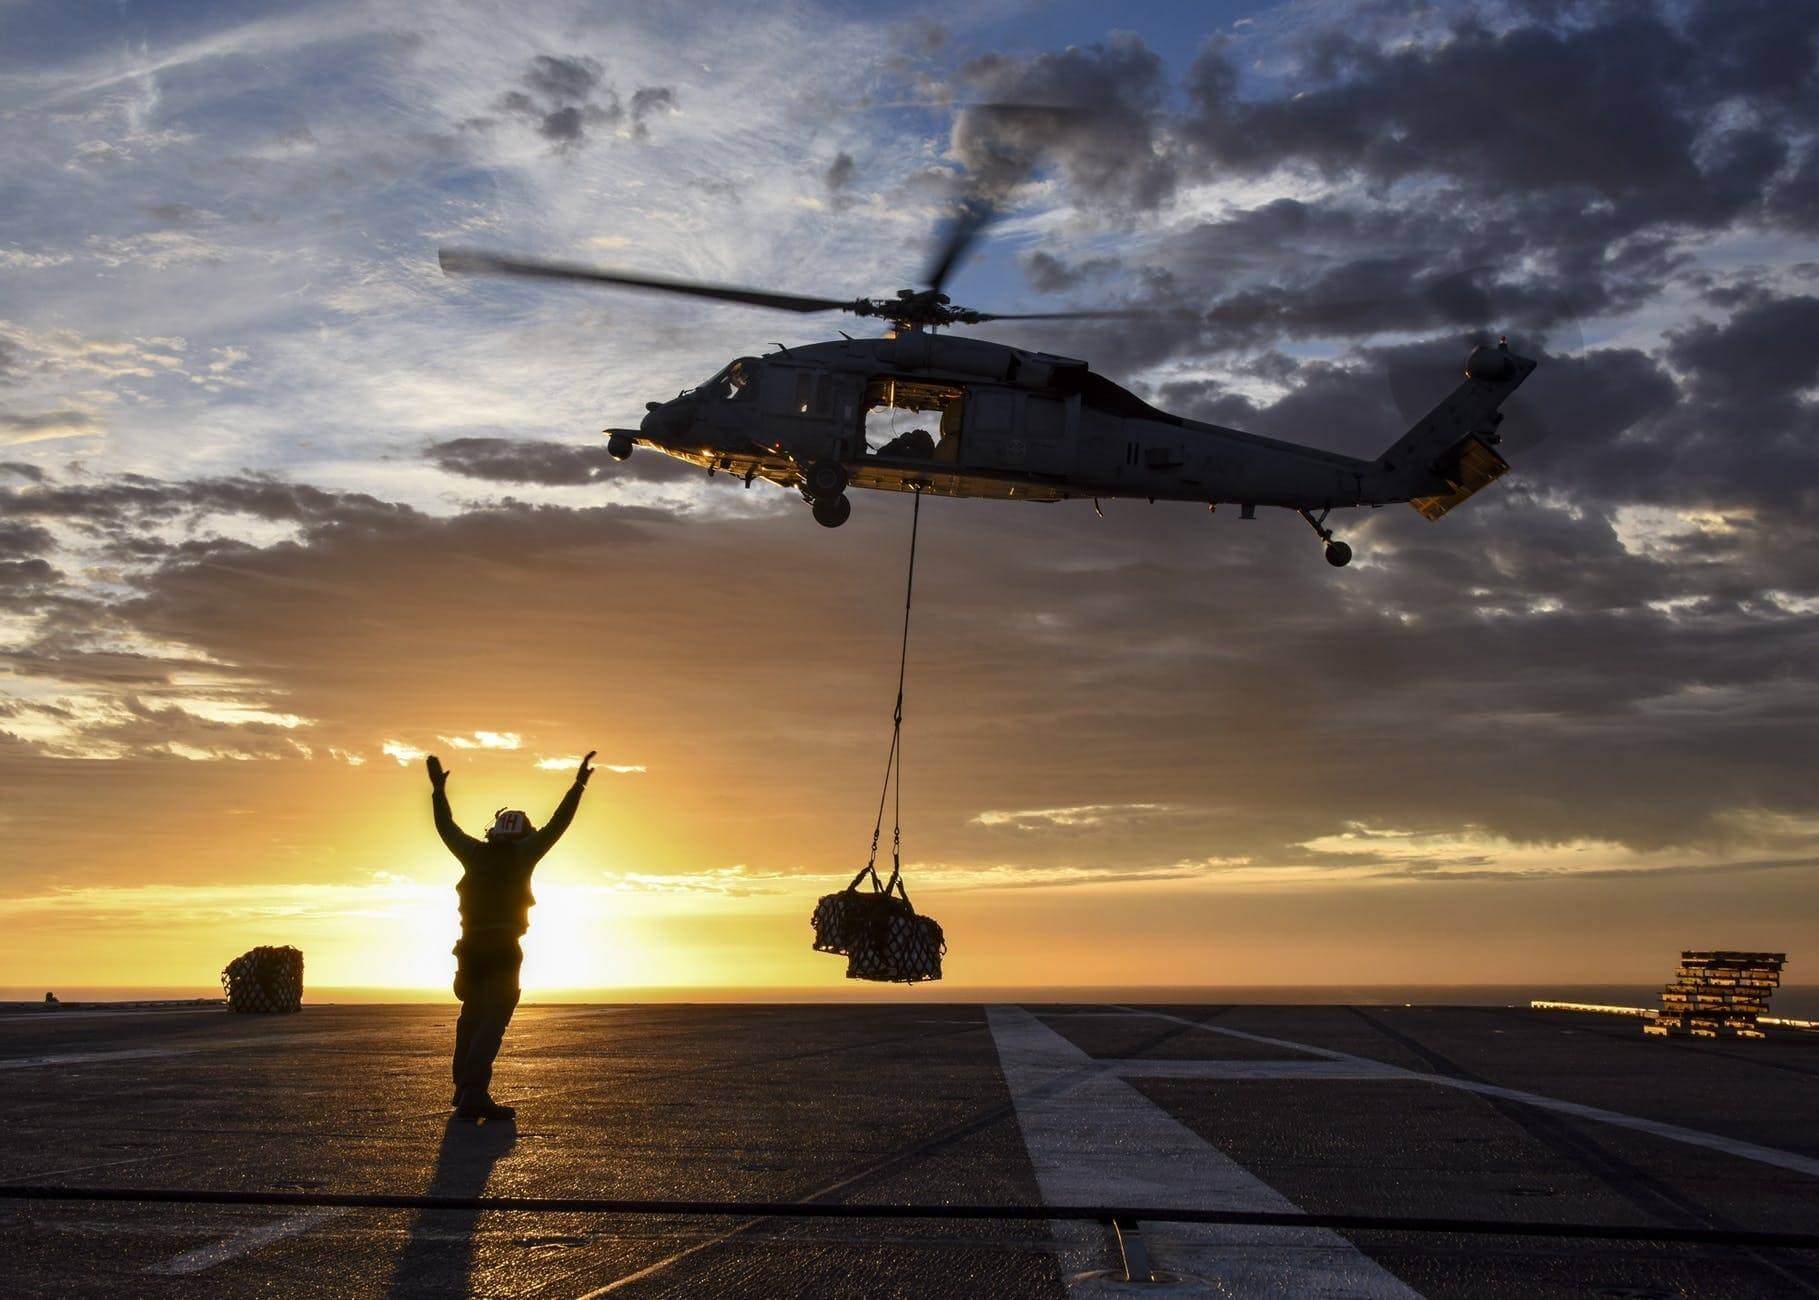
{"x": 508, "y": 824}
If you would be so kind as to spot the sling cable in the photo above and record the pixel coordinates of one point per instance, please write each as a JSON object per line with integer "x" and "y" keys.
{"x": 877, "y": 930}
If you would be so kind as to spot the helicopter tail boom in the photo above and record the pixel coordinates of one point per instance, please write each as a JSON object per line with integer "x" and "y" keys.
{"x": 1449, "y": 453}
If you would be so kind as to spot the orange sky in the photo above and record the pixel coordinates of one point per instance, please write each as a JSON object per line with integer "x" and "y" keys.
{"x": 282, "y": 507}
{"x": 1189, "y": 820}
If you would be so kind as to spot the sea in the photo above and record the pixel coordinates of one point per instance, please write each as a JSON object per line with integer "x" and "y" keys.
{"x": 1795, "y": 1001}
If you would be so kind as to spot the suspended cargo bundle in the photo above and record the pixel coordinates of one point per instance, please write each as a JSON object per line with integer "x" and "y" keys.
{"x": 266, "y": 981}
{"x": 877, "y": 930}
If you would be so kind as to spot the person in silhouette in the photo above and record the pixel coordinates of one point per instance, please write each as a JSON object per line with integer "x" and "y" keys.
{"x": 495, "y": 892}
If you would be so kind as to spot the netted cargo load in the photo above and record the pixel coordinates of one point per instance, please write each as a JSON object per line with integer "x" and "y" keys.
{"x": 265, "y": 981}
{"x": 836, "y": 916}
{"x": 879, "y": 932}
{"x": 1717, "y": 994}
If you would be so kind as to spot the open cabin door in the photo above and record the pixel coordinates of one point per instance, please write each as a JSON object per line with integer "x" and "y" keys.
{"x": 1031, "y": 433}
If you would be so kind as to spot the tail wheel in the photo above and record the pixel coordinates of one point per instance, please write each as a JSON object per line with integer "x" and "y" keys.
{"x": 1338, "y": 554}
{"x": 825, "y": 478}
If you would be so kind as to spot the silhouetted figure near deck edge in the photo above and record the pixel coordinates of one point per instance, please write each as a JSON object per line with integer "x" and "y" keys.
{"x": 495, "y": 890}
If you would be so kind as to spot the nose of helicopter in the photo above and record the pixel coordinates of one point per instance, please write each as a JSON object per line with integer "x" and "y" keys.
{"x": 667, "y": 419}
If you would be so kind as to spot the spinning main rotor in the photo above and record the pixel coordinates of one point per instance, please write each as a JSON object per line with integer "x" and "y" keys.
{"x": 910, "y": 310}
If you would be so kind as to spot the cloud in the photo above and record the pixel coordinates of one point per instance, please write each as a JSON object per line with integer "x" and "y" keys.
{"x": 569, "y": 763}
{"x": 19, "y": 259}
{"x": 1084, "y": 815}
{"x": 565, "y": 97}
{"x": 1093, "y": 112}
{"x": 16, "y": 430}
{"x": 546, "y": 464}
{"x": 485, "y": 740}
{"x": 1612, "y": 648}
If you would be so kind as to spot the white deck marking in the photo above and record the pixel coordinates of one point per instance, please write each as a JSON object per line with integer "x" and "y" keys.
{"x": 1672, "y": 1132}
{"x": 81, "y": 1169}
{"x": 206, "y": 1257}
{"x": 1095, "y": 1140}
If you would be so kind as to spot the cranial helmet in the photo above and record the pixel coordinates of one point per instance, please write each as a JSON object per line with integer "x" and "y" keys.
{"x": 509, "y": 824}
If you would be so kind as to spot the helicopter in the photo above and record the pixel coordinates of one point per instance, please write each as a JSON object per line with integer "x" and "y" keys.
{"x": 1012, "y": 424}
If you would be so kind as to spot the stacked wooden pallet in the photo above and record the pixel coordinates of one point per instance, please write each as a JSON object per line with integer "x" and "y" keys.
{"x": 1718, "y": 995}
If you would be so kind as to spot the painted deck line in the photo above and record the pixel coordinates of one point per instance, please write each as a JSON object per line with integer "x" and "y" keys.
{"x": 204, "y": 1258}
{"x": 1789, "y": 1160}
{"x": 82, "y": 1169}
{"x": 1093, "y": 1139}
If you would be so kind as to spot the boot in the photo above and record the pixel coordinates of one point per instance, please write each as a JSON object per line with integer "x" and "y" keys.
{"x": 483, "y": 1107}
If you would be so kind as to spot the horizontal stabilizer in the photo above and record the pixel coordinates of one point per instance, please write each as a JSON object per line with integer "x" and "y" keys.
{"x": 1468, "y": 467}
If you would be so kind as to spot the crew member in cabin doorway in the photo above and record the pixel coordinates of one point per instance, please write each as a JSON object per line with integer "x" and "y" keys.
{"x": 495, "y": 892}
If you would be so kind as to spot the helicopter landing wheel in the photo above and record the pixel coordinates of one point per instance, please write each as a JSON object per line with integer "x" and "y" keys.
{"x": 1338, "y": 554}
{"x": 825, "y": 479}
{"x": 831, "y": 512}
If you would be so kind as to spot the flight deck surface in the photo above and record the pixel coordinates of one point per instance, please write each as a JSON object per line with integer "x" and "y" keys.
{"x": 1452, "y": 1112}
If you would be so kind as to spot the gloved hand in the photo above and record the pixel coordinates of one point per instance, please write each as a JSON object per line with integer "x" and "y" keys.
{"x": 584, "y": 771}
{"x": 438, "y": 775}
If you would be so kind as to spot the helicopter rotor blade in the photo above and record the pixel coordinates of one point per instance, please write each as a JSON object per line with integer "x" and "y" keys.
{"x": 458, "y": 261}
{"x": 971, "y": 216}
{"x": 1103, "y": 314}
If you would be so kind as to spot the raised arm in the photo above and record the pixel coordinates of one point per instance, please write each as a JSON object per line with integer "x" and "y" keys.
{"x": 459, "y": 842}
{"x": 565, "y": 811}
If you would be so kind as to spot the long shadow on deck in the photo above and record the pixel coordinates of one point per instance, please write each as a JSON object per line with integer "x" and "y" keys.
{"x": 438, "y": 1258}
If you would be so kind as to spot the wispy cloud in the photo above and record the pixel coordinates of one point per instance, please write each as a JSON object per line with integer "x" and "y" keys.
{"x": 1078, "y": 816}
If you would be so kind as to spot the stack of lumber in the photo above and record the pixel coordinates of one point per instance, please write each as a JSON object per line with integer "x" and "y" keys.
{"x": 1718, "y": 995}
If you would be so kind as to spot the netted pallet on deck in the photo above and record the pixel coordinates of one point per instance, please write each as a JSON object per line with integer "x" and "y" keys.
{"x": 265, "y": 981}
{"x": 1717, "y": 995}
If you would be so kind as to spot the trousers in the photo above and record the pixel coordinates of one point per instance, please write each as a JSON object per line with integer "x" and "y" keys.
{"x": 478, "y": 1033}
{"x": 486, "y": 981}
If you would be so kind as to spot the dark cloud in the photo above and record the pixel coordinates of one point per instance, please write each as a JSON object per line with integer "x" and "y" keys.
{"x": 1211, "y": 666}
{"x": 1637, "y": 130}
{"x": 548, "y": 464}
{"x": 649, "y": 102}
{"x": 1618, "y": 109}
{"x": 1050, "y": 274}
{"x": 1093, "y": 112}
{"x": 1765, "y": 352}
{"x": 19, "y": 539}
{"x": 839, "y": 173}
{"x": 46, "y": 424}
{"x": 567, "y": 97}
{"x": 176, "y": 214}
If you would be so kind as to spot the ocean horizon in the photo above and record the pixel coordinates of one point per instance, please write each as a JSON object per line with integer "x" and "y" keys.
{"x": 1797, "y": 1001}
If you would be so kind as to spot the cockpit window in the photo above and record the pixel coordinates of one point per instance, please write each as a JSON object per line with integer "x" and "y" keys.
{"x": 737, "y": 382}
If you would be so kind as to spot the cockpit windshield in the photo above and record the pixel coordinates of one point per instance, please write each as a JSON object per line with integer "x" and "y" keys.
{"x": 736, "y": 382}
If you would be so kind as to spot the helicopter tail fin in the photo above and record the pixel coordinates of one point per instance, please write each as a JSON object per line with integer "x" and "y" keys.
{"x": 1449, "y": 454}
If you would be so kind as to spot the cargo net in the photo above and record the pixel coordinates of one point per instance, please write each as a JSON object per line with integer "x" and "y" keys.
{"x": 878, "y": 932}
{"x": 267, "y": 981}
{"x": 1717, "y": 995}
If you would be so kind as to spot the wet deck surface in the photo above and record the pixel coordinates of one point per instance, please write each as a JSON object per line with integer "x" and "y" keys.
{"x": 1419, "y": 1111}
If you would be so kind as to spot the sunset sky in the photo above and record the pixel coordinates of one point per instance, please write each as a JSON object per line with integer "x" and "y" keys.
{"x": 283, "y": 509}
